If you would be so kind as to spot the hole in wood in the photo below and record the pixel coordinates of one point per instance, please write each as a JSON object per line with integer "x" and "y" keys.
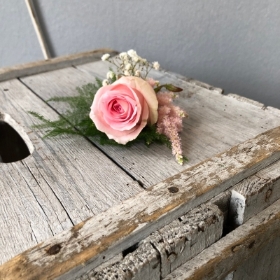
{"x": 14, "y": 143}
{"x": 130, "y": 249}
{"x": 173, "y": 189}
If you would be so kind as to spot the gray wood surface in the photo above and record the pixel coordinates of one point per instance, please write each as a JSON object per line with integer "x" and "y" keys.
{"x": 66, "y": 180}
{"x": 216, "y": 122}
{"x": 91, "y": 242}
{"x": 51, "y": 64}
{"x": 166, "y": 249}
{"x": 237, "y": 249}
{"x": 63, "y": 182}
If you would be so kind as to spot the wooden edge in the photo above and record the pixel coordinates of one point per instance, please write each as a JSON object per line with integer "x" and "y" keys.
{"x": 197, "y": 83}
{"x": 247, "y": 100}
{"x": 88, "y": 244}
{"x": 52, "y": 64}
{"x": 229, "y": 252}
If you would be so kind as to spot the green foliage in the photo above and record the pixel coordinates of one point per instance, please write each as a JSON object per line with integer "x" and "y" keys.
{"x": 76, "y": 120}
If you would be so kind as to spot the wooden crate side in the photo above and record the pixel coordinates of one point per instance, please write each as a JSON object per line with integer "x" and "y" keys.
{"x": 109, "y": 233}
{"x": 37, "y": 67}
{"x": 219, "y": 260}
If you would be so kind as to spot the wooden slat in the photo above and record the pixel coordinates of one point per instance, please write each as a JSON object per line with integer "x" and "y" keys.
{"x": 166, "y": 249}
{"x": 51, "y": 64}
{"x": 230, "y": 252}
{"x": 254, "y": 194}
{"x": 109, "y": 233}
{"x": 63, "y": 182}
{"x": 216, "y": 122}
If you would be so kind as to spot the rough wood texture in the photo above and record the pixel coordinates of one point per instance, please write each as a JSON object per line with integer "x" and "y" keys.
{"x": 108, "y": 233}
{"x": 264, "y": 265}
{"x": 223, "y": 257}
{"x": 255, "y": 193}
{"x": 63, "y": 182}
{"x": 168, "y": 248}
{"x": 216, "y": 122}
{"x": 51, "y": 64}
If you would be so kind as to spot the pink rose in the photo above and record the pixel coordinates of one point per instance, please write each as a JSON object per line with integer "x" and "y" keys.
{"x": 123, "y": 109}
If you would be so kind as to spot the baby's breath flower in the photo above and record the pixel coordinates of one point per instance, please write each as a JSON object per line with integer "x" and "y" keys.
{"x": 105, "y": 57}
{"x": 105, "y": 83}
{"x": 135, "y": 58}
{"x": 128, "y": 66}
{"x": 126, "y": 73}
{"x": 156, "y": 65}
{"x": 110, "y": 75}
{"x": 132, "y": 53}
{"x": 137, "y": 73}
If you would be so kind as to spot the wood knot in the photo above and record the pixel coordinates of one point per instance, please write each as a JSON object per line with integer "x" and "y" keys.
{"x": 173, "y": 189}
{"x": 268, "y": 194}
{"x": 53, "y": 250}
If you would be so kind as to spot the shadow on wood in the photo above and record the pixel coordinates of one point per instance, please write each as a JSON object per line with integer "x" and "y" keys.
{"x": 12, "y": 146}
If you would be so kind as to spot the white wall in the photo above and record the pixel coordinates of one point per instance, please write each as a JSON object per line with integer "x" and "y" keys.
{"x": 230, "y": 44}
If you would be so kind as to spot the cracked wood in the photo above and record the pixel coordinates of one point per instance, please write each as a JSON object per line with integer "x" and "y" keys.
{"x": 108, "y": 233}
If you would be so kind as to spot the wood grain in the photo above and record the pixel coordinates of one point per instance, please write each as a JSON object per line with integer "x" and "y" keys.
{"x": 255, "y": 193}
{"x": 216, "y": 122}
{"x": 230, "y": 252}
{"x": 51, "y": 64}
{"x": 109, "y": 233}
{"x": 63, "y": 182}
{"x": 166, "y": 249}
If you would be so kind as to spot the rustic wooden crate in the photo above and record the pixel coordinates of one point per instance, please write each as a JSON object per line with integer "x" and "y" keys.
{"x": 74, "y": 209}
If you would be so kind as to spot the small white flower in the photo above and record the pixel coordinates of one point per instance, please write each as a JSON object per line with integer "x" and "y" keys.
{"x": 132, "y": 53}
{"x": 156, "y": 65}
{"x": 135, "y": 58}
{"x": 126, "y": 73}
{"x": 137, "y": 73}
{"x": 128, "y": 66}
{"x": 110, "y": 75}
{"x": 105, "y": 57}
{"x": 123, "y": 55}
{"x": 105, "y": 83}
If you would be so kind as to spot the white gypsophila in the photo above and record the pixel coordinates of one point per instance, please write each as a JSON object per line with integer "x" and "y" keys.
{"x": 132, "y": 53}
{"x": 128, "y": 66}
{"x": 126, "y": 73}
{"x": 110, "y": 75}
{"x": 136, "y": 58}
{"x": 137, "y": 73}
{"x": 156, "y": 65}
{"x": 105, "y": 82}
{"x": 123, "y": 55}
{"x": 105, "y": 57}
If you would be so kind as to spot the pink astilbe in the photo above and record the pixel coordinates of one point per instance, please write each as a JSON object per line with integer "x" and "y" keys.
{"x": 170, "y": 122}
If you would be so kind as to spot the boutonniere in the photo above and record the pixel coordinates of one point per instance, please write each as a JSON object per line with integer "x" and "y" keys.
{"x": 124, "y": 108}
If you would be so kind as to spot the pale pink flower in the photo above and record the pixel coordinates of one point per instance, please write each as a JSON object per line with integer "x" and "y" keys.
{"x": 170, "y": 122}
{"x": 121, "y": 110}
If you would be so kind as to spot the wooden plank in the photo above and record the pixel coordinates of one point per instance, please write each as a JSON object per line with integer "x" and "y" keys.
{"x": 255, "y": 193}
{"x": 168, "y": 248}
{"x": 143, "y": 263}
{"x": 183, "y": 239}
{"x": 230, "y": 252}
{"x": 216, "y": 122}
{"x": 262, "y": 265}
{"x": 63, "y": 182}
{"x": 109, "y": 233}
{"x": 51, "y": 64}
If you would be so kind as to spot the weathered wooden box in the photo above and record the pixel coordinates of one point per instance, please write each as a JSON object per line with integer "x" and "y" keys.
{"x": 73, "y": 209}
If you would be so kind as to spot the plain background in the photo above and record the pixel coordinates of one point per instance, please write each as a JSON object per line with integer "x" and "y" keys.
{"x": 230, "y": 44}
